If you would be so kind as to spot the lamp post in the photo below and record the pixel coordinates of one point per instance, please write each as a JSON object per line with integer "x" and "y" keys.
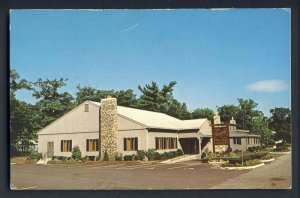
{"x": 242, "y": 156}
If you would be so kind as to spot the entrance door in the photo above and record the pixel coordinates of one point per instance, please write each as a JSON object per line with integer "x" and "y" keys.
{"x": 189, "y": 145}
{"x": 50, "y": 149}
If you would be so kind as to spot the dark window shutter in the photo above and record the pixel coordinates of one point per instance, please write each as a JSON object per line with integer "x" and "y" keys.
{"x": 71, "y": 145}
{"x": 136, "y": 144}
{"x": 87, "y": 145}
{"x": 156, "y": 143}
{"x": 61, "y": 145}
{"x": 125, "y": 145}
{"x": 97, "y": 145}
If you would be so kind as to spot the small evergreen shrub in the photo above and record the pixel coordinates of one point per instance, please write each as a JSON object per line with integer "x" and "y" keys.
{"x": 76, "y": 153}
{"x": 179, "y": 152}
{"x": 229, "y": 149}
{"x": 172, "y": 154}
{"x": 118, "y": 156}
{"x": 127, "y": 157}
{"x": 150, "y": 154}
{"x": 105, "y": 156}
{"x": 164, "y": 156}
{"x": 34, "y": 155}
{"x": 141, "y": 154}
{"x": 98, "y": 158}
{"x": 156, "y": 156}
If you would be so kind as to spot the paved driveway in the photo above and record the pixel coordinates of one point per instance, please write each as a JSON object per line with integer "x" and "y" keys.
{"x": 275, "y": 175}
{"x": 184, "y": 175}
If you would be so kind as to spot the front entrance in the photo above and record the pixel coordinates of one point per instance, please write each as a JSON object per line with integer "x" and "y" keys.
{"x": 189, "y": 145}
{"x": 50, "y": 149}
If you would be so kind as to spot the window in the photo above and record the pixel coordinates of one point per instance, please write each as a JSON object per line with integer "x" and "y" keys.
{"x": 86, "y": 107}
{"x": 162, "y": 143}
{"x": 237, "y": 141}
{"x": 66, "y": 146}
{"x": 130, "y": 144}
{"x": 92, "y": 145}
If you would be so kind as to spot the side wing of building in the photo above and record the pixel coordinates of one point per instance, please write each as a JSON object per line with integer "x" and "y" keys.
{"x": 78, "y": 127}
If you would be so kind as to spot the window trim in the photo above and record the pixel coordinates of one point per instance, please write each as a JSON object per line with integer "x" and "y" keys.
{"x": 134, "y": 144}
{"x": 94, "y": 142}
{"x": 68, "y": 144}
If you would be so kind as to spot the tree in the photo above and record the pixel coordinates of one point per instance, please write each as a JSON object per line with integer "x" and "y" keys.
{"x": 178, "y": 110}
{"x": 247, "y": 113}
{"x": 280, "y": 121}
{"x": 125, "y": 98}
{"x": 226, "y": 112}
{"x": 203, "y": 113}
{"x": 261, "y": 127}
{"x": 22, "y": 116}
{"x": 51, "y": 103}
{"x": 155, "y": 99}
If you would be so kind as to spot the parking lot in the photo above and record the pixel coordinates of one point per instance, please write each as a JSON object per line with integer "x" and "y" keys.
{"x": 121, "y": 175}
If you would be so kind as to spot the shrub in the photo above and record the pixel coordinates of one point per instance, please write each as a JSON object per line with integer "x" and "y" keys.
{"x": 251, "y": 149}
{"x": 179, "y": 152}
{"x": 34, "y": 155}
{"x": 76, "y": 153}
{"x": 69, "y": 158}
{"x": 211, "y": 155}
{"x": 252, "y": 162}
{"x": 156, "y": 156}
{"x": 105, "y": 156}
{"x": 141, "y": 154}
{"x": 232, "y": 155}
{"x": 127, "y": 157}
{"x": 205, "y": 159}
{"x": 203, "y": 156}
{"x": 54, "y": 157}
{"x": 150, "y": 154}
{"x": 98, "y": 158}
{"x": 266, "y": 157}
{"x": 118, "y": 156}
{"x": 172, "y": 154}
{"x": 229, "y": 149}
{"x": 164, "y": 156}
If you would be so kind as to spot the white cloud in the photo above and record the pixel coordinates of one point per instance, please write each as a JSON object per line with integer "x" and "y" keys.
{"x": 130, "y": 28}
{"x": 269, "y": 86}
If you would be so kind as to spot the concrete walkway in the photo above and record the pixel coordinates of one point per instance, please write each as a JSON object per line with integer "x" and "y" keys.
{"x": 275, "y": 175}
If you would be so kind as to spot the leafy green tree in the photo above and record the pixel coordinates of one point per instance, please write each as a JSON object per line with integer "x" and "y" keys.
{"x": 178, "y": 110}
{"x": 76, "y": 153}
{"x": 247, "y": 113}
{"x": 203, "y": 113}
{"x": 261, "y": 127}
{"x": 228, "y": 111}
{"x": 22, "y": 116}
{"x": 51, "y": 103}
{"x": 280, "y": 121}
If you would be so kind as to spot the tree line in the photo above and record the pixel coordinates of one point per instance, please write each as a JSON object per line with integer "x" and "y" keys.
{"x": 51, "y": 103}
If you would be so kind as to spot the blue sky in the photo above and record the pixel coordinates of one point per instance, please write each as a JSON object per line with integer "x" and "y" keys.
{"x": 216, "y": 56}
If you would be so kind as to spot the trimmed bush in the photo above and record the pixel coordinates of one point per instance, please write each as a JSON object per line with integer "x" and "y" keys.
{"x": 164, "y": 156}
{"x": 150, "y": 154}
{"x": 251, "y": 149}
{"x": 54, "y": 157}
{"x": 76, "y": 153}
{"x": 229, "y": 149}
{"x": 179, "y": 152}
{"x": 172, "y": 154}
{"x": 118, "y": 156}
{"x": 105, "y": 156}
{"x": 69, "y": 158}
{"x": 127, "y": 157}
{"x": 98, "y": 158}
{"x": 141, "y": 154}
{"x": 34, "y": 155}
{"x": 252, "y": 162}
{"x": 156, "y": 156}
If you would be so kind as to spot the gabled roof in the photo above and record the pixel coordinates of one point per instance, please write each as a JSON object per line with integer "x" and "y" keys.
{"x": 157, "y": 120}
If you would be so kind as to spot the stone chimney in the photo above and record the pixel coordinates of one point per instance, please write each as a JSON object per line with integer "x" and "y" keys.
{"x": 108, "y": 127}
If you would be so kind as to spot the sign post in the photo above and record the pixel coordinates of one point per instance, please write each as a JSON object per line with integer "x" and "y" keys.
{"x": 220, "y": 135}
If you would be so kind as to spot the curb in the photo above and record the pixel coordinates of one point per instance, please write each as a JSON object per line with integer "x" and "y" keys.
{"x": 243, "y": 168}
{"x": 269, "y": 160}
{"x": 280, "y": 152}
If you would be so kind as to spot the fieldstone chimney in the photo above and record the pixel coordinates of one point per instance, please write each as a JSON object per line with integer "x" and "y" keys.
{"x": 108, "y": 127}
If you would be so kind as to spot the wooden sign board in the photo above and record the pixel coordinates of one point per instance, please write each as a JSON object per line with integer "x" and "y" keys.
{"x": 220, "y": 135}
